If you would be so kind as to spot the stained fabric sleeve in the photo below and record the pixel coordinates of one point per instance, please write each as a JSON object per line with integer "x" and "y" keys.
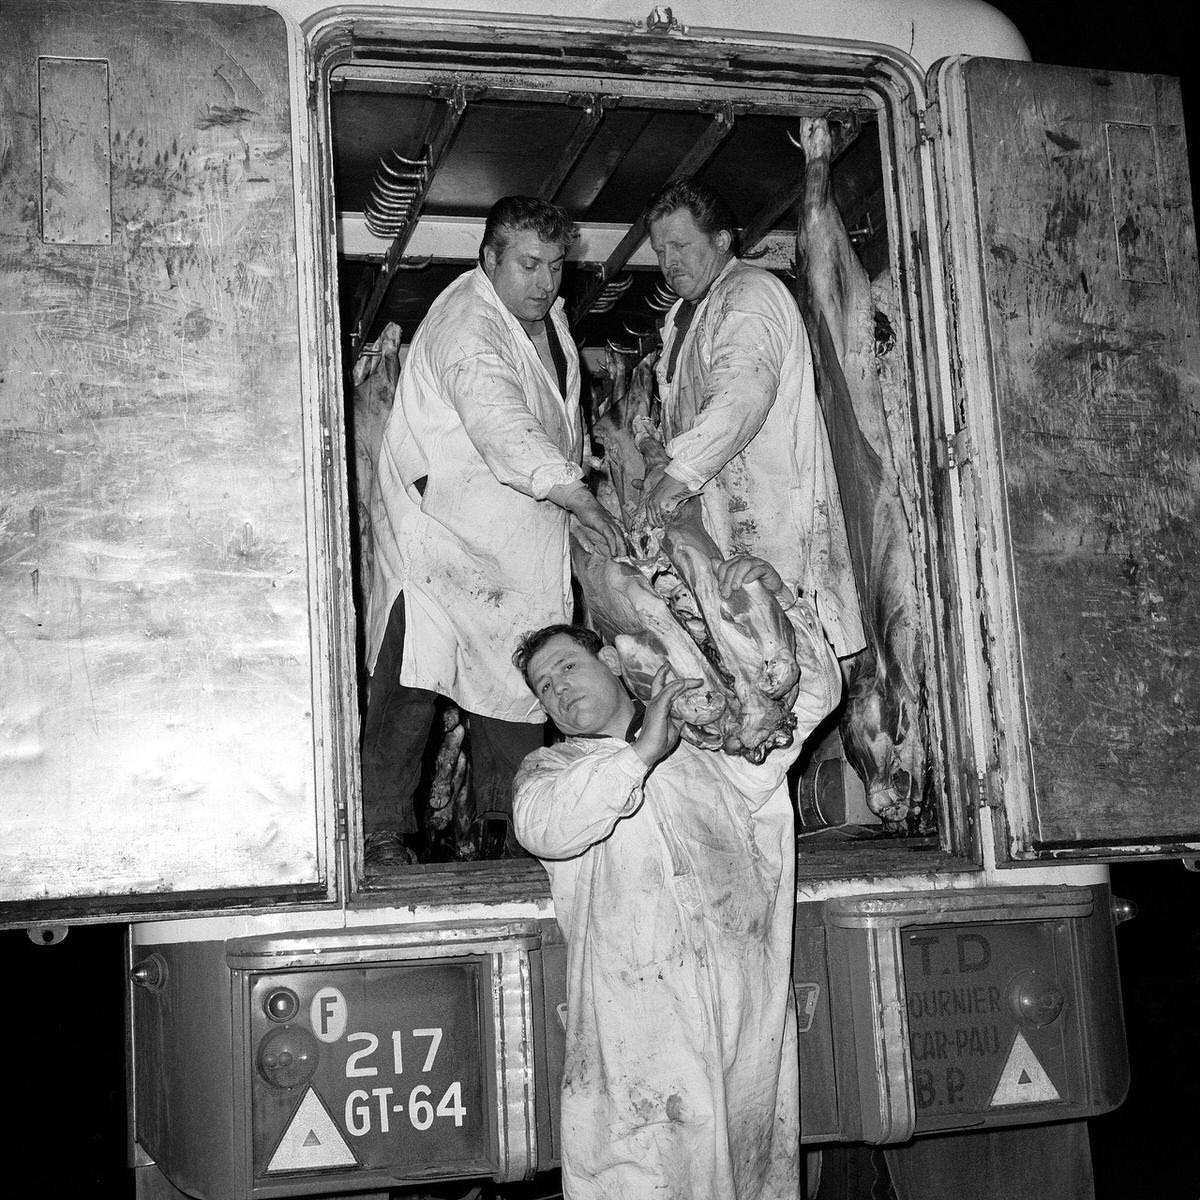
{"x": 747, "y": 349}
{"x": 565, "y": 801}
{"x": 489, "y": 397}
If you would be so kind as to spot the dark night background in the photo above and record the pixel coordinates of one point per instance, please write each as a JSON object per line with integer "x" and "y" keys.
{"x": 61, "y": 1006}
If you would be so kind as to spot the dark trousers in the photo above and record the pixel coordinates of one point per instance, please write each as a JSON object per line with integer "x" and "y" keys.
{"x": 396, "y": 733}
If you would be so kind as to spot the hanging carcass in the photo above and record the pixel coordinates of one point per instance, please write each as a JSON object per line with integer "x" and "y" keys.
{"x": 447, "y": 815}
{"x": 376, "y": 371}
{"x": 624, "y": 427}
{"x": 884, "y": 724}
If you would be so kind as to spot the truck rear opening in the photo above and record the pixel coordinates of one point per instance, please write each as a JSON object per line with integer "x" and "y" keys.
{"x": 419, "y": 153}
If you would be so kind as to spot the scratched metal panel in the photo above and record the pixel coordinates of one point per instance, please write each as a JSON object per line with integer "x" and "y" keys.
{"x": 156, "y": 728}
{"x": 75, "y": 153}
{"x": 1089, "y": 256}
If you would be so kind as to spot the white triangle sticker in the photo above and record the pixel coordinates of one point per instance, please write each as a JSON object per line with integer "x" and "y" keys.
{"x": 311, "y": 1141}
{"x": 1024, "y": 1079}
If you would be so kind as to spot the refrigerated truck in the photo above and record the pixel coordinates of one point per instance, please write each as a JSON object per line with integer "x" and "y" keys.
{"x": 199, "y": 240}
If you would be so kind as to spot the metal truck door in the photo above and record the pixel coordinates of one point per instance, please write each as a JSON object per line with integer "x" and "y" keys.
{"x": 162, "y": 700}
{"x": 1072, "y": 250}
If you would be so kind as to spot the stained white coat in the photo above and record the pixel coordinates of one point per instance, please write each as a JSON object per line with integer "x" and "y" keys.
{"x": 482, "y": 555}
{"x": 675, "y": 891}
{"x": 741, "y": 421}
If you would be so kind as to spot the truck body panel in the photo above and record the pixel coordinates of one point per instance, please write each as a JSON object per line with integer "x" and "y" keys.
{"x": 165, "y": 686}
{"x": 1079, "y": 400}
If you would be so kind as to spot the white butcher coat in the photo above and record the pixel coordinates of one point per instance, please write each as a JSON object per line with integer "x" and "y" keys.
{"x": 482, "y": 556}
{"x": 675, "y": 892}
{"x": 741, "y": 420}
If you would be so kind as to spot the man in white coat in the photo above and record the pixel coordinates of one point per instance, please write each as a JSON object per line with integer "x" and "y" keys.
{"x": 673, "y": 875}
{"x": 478, "y": 470}
{"x": 741, "y": 422}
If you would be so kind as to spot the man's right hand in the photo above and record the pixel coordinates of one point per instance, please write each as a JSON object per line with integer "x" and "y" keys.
{"x": 661, "y": 730}
{"x": 598, "y": 529}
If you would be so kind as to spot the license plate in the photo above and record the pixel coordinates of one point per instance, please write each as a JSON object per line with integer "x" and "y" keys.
{"x": 397, "y": 1080}
{"x": 984, "y": 1033}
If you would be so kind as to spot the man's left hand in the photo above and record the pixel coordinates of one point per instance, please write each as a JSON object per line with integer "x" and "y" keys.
{"x": 662, "y": 494}
{"x": 741, "y": 569}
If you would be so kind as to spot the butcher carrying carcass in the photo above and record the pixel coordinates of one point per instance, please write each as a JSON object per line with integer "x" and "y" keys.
{"x": 672, "y": 869}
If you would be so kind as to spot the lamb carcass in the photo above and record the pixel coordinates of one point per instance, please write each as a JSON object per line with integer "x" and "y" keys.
{"x": 376, "y": 372}
{"x": 622, "y": 423}
{"x": 661, "y": 603}
{"x": 751, "y": 637}
{"x": 448, "y": 818}
{"x": 883, "y": 727}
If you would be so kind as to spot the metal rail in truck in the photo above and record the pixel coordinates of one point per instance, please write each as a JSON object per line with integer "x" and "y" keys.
{"x": 211, "y": 214}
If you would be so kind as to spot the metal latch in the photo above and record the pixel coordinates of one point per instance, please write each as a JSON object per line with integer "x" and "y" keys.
{"x": 989, "y": 789}
{"x": 929, "y": 123}
{"x": 960, "y": 449}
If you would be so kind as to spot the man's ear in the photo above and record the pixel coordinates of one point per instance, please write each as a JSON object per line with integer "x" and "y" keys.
{"x": 611, "y": 659}
{"x": 490, "y": 258}
{"x": 724, "y": 240}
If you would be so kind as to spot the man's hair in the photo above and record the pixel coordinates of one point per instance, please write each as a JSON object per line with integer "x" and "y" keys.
{"x": 710, "y": 210}
{"x": 511, "y": 214}
{"x": 535, "y": 639}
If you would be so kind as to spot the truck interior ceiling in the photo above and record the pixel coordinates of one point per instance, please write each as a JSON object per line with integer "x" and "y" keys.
{"x": 419, "y": 155}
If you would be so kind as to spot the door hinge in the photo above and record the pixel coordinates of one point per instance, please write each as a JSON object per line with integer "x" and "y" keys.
{"x": 988, "y": 788}
{"x": 958, "y": 449}
{"x": 929, "y": 123}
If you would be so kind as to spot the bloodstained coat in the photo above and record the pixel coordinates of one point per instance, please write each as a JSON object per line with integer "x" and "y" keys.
{"x": 482, "y": 554}
{"x": 675, "y": 891}
{"x": 741, "y": 421}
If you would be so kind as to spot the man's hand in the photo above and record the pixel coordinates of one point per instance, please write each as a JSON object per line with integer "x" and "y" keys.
{"x": 661, "y": 495}
{"x": 653, "y": 452}
{"x": 598, "y": 529}
{"x": 739, "y": 570}
{"x": 660, "y": 730}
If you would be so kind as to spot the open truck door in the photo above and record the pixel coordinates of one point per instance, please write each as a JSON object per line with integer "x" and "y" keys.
{"x": 1071, "y": 241}
{"x": 166, "y": 711}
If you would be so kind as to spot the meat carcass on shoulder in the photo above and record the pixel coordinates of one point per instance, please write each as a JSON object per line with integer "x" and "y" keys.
{"x": 629, "y": 613}
{"x": 662, "y": 604}
{"x": 666, "y": 608}
{"x": 751, "y": 637}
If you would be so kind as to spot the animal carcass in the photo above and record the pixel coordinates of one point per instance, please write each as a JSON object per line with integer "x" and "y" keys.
{"x": 884, "y": 725}
{"x": 623, "y": 424}
{"x": 661, "y": 604}
{"x": 448, "y": 818}
{"x": 375, "y": 374}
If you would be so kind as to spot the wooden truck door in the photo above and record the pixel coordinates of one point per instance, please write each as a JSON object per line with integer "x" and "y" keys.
{"x": 1072, "y": 249}
{"x": 167, "y": 686}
